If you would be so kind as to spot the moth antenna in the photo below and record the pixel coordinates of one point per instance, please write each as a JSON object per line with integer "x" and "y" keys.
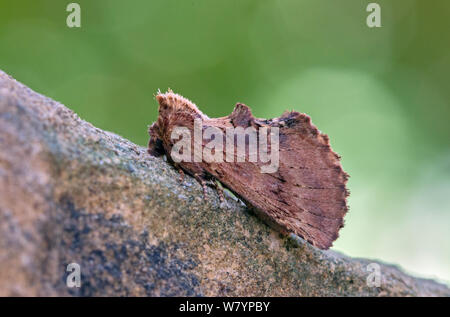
{"x": 202, "y": 182}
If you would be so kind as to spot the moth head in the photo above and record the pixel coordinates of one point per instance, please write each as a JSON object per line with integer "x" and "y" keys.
{"x": 165, "y": 103}
{"x": 171, "y": 102}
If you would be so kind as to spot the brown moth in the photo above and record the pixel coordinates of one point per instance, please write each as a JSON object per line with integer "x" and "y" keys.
{"x": 305, "y": 194}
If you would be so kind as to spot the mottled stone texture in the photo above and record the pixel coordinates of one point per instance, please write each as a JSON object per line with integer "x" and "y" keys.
{"x": 70, "y": 192}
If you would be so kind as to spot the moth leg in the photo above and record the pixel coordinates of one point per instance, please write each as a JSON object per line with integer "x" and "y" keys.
{"x": 202, "y": 182}
{"x": 180, "y": 170}
{"x": 219, "y": 191}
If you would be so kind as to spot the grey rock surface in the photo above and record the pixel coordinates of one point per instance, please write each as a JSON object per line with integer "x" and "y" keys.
{"x": 70, "y": 192}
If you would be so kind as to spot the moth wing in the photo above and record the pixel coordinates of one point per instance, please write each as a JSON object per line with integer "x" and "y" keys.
{"x": 307, "y": 194}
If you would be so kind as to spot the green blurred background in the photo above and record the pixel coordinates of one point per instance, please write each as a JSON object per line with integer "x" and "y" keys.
{"x": 382, "y": 94}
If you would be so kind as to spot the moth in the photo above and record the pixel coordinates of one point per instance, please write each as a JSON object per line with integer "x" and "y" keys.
{"x": 301, "y": 191}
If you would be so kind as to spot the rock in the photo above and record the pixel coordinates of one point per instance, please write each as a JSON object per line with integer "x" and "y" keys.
{"x": 72, "y": 193}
